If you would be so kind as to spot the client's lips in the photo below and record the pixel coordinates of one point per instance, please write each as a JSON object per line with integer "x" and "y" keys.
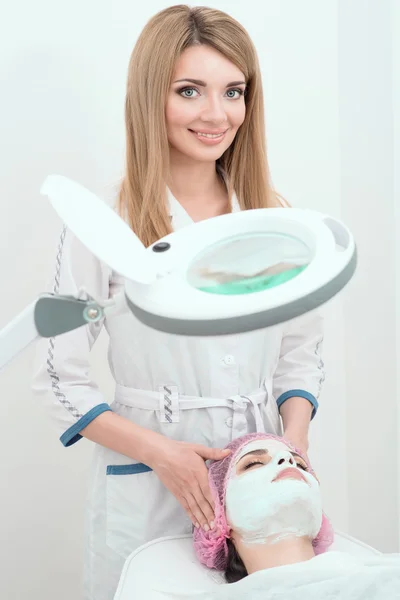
{"x": 289, "y": 473}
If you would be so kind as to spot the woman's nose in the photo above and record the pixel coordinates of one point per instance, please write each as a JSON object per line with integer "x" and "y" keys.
{"x": 214, "y": 111}
{"x": 286, "y": 457}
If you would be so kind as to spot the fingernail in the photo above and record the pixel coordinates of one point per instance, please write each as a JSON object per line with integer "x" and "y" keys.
{"x": 206, "y": 528}
{"x": 197, "y": 525}
{"x": 212, "y": 524}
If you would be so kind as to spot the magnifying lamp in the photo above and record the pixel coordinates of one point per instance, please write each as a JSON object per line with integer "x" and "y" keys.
{"x": 230, "y": 274}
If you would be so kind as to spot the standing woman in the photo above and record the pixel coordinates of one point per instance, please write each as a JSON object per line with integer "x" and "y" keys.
{"x": 195, "y": 148}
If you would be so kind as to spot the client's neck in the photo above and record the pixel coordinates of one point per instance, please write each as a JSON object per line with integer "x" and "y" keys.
{"x": 267, "y": 555}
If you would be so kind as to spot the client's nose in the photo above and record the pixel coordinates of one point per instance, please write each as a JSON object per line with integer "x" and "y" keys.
{"x": 287, "y": 458}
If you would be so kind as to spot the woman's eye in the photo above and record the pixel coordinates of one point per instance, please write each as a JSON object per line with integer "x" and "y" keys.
{"x": 238, "y": 91}
{"x": 191, "y": 91}
{"x": 301, "y": 466}
{"x": 255, "y": 462}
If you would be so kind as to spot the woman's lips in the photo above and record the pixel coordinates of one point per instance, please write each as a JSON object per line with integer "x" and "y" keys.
{"x": 289, "y": 473}
{"x": 210, "y": 141}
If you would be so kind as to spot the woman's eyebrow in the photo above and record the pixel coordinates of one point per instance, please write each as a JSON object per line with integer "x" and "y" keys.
{"x": 203, "y": 83}
{"x": 259, "y": 452}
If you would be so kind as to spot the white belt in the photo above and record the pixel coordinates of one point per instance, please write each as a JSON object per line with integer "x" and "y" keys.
{"x": 168, "y": 402}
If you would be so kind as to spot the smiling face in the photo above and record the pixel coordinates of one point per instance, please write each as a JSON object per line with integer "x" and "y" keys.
{"x": 271, "y": 495}
{"x": 205, "y": 105}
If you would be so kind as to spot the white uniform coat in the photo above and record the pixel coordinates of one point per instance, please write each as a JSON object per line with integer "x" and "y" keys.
{"x": 202, "y": 390}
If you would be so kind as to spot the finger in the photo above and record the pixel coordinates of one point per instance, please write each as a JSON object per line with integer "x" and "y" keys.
{"x": 219, "y": 454}
{"x": 194, "y": 507}
{"x": 206, "y": 491}
{"x": 193, "y": 518}
{"x": 205, "y": 502}
{"x": 190, "y": 514}
{"x": 210, "y": 453}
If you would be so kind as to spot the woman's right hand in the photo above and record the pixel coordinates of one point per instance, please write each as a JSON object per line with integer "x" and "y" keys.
{"x": 181, "y": 468}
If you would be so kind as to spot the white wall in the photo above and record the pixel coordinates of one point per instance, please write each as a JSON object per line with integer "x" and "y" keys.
{"x": 367, "y": 195}
{"x": 63, "y": 69}
{"x": 396, "y": 177}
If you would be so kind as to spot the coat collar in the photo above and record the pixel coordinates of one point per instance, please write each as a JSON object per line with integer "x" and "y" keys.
{"x": 179, "y": 216}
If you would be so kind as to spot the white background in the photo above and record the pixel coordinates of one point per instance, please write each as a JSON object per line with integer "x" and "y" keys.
{"x": 332, "y": 94}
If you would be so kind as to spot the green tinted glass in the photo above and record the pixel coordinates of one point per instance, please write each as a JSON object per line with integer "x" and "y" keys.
{"x": 249, "y": 263}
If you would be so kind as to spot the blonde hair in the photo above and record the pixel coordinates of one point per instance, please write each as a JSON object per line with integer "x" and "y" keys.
{"x": 143, "y": 194}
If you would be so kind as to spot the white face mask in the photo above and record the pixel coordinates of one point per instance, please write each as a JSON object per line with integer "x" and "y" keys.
{"x": 261, "y": 508}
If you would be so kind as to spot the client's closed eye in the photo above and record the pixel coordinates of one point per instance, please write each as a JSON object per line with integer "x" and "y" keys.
{"x": 252, "y": 464}
{"x": 259, "y": 462}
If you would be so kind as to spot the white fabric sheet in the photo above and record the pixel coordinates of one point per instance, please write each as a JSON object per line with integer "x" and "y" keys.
{"x": 330, "y": 576}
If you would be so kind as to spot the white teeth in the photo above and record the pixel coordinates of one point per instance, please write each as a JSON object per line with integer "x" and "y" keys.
{"x": 209, "y": 135}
